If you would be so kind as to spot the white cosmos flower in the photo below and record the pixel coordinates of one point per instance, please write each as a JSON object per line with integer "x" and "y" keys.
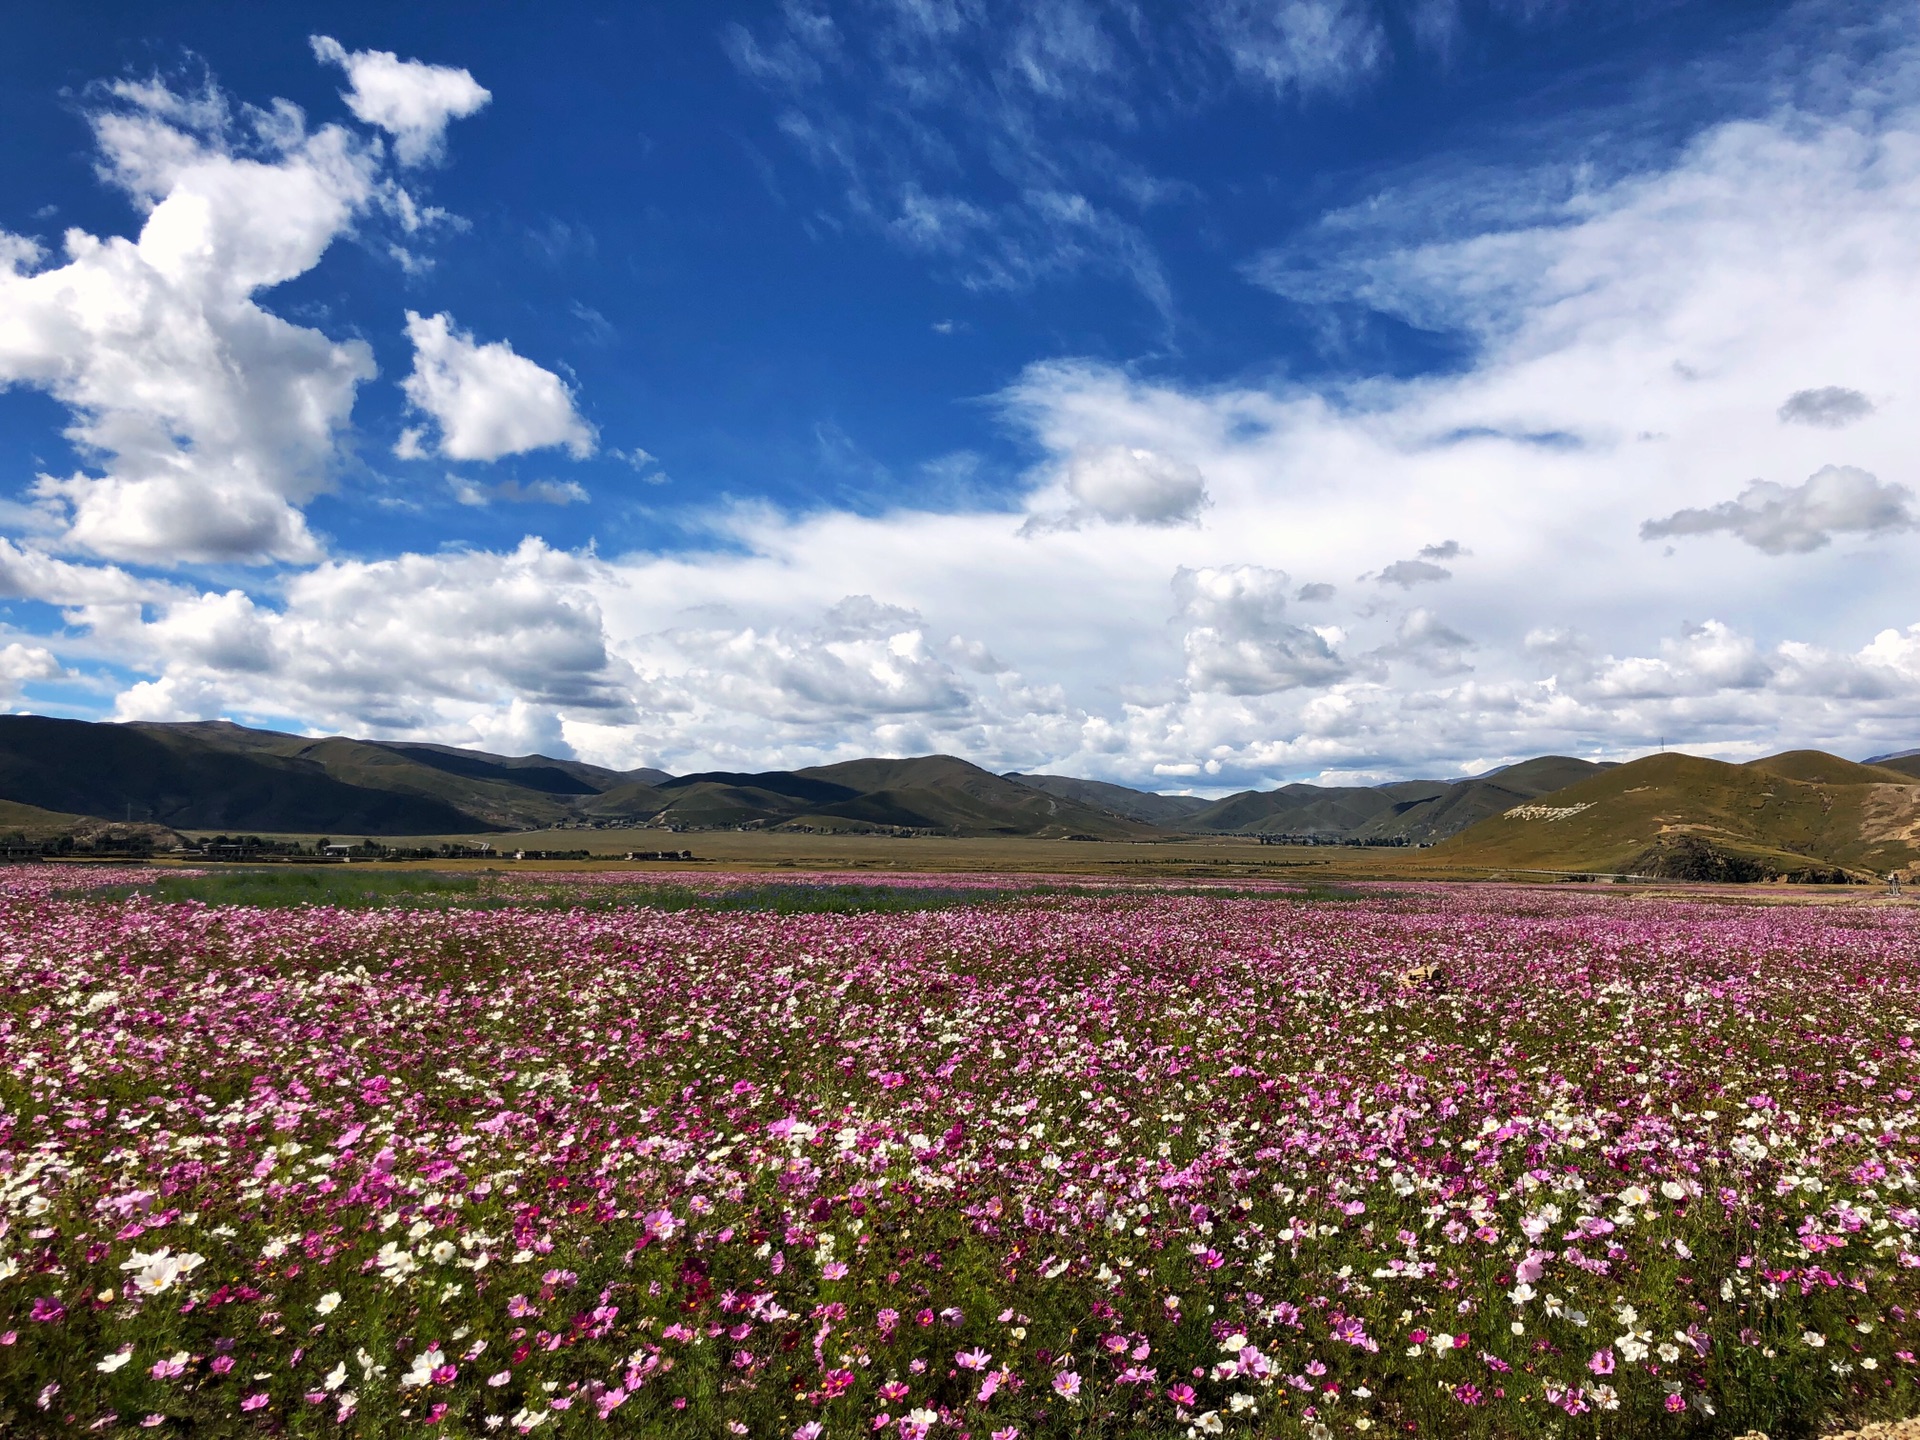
{"x": 328, "y": 1303}
{"x": 114, "y": 1361}
{"x": 160, "y": 1271}
{"x": 424, "y": 1364}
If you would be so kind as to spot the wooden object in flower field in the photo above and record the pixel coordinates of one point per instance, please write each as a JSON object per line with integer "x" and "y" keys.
{"x": 1430, "y": 978}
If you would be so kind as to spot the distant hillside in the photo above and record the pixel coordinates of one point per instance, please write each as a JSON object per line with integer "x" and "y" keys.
{"x": 218, "y": 776}
{"x": 1413, "y": 811}
{"x": 1776, "y": 815}
{"x": 931, "y": 792}
{"x": 212, "y": 775}
{"x": 1142, "y": 805}
{"x": 1784, "y": 814}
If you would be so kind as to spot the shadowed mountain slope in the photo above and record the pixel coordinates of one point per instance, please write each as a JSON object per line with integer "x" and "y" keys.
{"x": 172, "y": 777}
{"x": 212, "y": 775}
{"x": 928, "y": 792}
{"x": 1143, "y": 805}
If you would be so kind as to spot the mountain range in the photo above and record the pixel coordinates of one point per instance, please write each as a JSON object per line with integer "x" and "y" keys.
{"x": 1778, "y": 816}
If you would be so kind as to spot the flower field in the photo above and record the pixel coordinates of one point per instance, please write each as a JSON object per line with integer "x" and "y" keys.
{"x": 1473, "y": 1162}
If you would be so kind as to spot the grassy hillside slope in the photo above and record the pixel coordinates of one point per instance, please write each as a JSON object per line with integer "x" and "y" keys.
{"x": 1784, "y": 812}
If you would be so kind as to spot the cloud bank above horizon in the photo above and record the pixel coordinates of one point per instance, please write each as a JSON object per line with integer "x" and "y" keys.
{"x": 1656, "y": 486}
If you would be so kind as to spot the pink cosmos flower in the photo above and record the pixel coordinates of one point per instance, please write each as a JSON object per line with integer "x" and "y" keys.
{"x": 1602, "y": 1361}
{"x": 255, "y": 1401}
{"x": 1180, "y": 1394}
{"x": 1066, "y": 1384}
{"x": 974, "y": 1359}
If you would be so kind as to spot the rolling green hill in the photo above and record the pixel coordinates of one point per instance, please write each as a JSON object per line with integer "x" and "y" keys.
{"x": 1786, "y": 814}
{"x": 1908, "y": 764}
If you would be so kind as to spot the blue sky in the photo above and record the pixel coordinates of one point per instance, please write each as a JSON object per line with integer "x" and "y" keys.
{"x": 1196, "y": 395}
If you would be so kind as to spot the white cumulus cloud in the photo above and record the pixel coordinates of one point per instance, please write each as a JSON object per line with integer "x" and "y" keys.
{"x": 1238, "y": 640}
{"x": 206, "y": 420}
{"x": 486, "y": 400}
{"x": 20, "y": 664}
{"x": 418, "y": 644}
{"x": 1125, "y": 484}
{"x": 1794, "y": 519}
{"x": 410, "y": 100}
